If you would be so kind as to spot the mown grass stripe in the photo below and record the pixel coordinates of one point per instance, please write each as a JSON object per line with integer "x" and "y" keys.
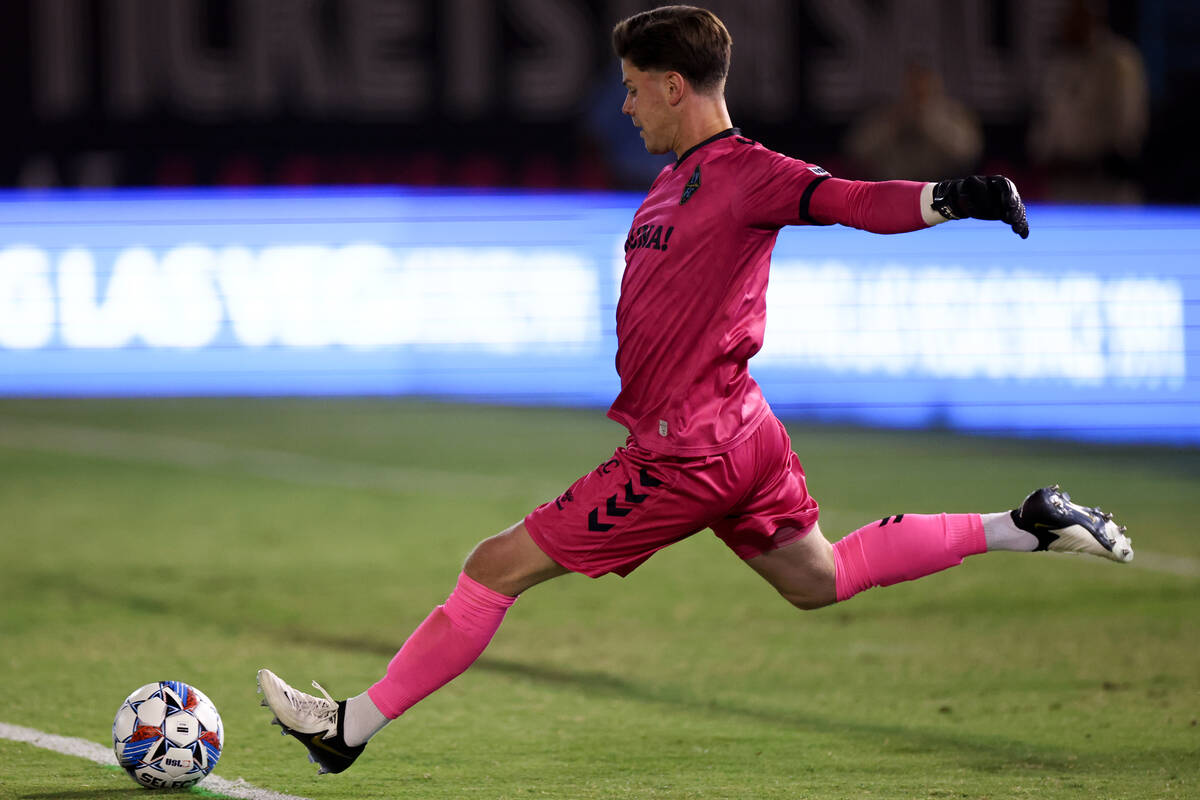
{"x": 152, "y": 448}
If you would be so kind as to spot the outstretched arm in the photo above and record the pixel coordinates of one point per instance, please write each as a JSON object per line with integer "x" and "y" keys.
{"x": 901, "y": 206}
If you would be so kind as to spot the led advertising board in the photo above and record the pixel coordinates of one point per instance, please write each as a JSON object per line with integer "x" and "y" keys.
{"x": 1087, "y": 330}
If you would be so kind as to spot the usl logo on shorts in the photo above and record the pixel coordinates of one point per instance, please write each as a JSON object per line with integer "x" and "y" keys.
{"x": 612, "y": 510}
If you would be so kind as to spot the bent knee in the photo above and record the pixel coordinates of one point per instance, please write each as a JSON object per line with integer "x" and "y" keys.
{"x": 510, "y": 562}
{"x": 807, "y": 601}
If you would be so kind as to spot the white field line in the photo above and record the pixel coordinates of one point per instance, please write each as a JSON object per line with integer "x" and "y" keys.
{"x": 1161, "y": 562}
{"x": 82, "y": 748}
{"x": 153, "y": 448}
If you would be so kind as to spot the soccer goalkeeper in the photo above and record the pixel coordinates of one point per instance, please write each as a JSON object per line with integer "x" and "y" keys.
{"x": 704, "y": 449}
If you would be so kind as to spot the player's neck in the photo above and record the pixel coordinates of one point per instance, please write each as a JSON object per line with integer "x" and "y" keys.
{"x": 703, "y": 121}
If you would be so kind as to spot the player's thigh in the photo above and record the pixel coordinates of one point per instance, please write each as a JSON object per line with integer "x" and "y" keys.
{"x": 632, "y": 505}
{"x": 775, "y": 508}
{"x": 802, "y": 571}
{"x": 511, "y": 562}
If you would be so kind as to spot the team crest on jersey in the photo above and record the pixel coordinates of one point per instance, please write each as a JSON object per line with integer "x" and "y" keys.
{"x": 693, "y": 186}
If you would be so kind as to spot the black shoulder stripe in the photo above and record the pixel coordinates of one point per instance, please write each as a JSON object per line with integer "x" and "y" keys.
{"x": 807, "y": 197}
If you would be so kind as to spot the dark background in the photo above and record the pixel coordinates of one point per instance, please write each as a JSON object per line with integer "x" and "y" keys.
{"x": 515, "y": 92}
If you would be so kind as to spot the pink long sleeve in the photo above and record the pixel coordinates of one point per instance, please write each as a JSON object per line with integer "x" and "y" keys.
{"x": 878, "y": 207}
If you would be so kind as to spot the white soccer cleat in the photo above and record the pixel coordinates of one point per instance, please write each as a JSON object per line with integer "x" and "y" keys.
{"x": 316, "y": 722}
{"x": 296, "y": 710}
{"x": 1066, "y": 527}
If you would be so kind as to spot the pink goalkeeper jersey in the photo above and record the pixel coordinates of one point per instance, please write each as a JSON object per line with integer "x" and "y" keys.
{"x": 693, "y": 298}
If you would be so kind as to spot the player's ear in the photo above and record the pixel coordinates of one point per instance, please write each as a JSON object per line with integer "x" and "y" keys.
{"x": 676, "y": 87}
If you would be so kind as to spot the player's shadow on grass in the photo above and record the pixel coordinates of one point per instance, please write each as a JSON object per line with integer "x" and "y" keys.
{"x": 93, "y": 794}
{"x": 983, "y": 752}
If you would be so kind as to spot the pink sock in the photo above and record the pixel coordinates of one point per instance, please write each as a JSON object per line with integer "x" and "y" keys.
{"x": 903, "y": 548}
{"x": 442, "y": 647}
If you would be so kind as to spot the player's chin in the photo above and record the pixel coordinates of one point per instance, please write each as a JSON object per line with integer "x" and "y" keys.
{"x": 653, "y": 148}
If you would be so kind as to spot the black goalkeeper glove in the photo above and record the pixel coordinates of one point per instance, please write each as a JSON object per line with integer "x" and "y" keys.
{"x": 981, "y": 197}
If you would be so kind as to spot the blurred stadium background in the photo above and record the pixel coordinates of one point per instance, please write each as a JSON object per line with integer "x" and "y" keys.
{"x": 419, "y": 207}
{"x": 402, "y": 197}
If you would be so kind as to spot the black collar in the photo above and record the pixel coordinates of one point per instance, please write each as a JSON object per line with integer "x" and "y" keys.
{"x": 723, "y": 134}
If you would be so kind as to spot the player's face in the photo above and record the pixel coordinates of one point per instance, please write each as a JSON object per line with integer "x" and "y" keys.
{"x": 646, "y": 103}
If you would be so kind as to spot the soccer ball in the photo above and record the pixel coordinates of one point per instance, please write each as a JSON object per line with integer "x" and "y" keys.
{"x": 167, "y": 735}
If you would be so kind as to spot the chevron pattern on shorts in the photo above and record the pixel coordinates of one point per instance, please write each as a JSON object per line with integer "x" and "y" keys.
{"x": 612, "y": 510}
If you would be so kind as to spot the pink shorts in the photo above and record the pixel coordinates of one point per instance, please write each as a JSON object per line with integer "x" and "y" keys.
{"x": 754, "y": 498}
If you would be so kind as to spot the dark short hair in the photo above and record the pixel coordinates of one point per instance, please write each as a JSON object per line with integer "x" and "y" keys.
{"x": 683, "y": 39}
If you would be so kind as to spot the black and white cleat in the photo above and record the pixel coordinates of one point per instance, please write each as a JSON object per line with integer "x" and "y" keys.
{"x": 317, "y": 723}
{"x": 1066, "y": 527}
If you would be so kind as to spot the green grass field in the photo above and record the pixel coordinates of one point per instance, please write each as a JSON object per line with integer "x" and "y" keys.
{"x": 201, "y": 539}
